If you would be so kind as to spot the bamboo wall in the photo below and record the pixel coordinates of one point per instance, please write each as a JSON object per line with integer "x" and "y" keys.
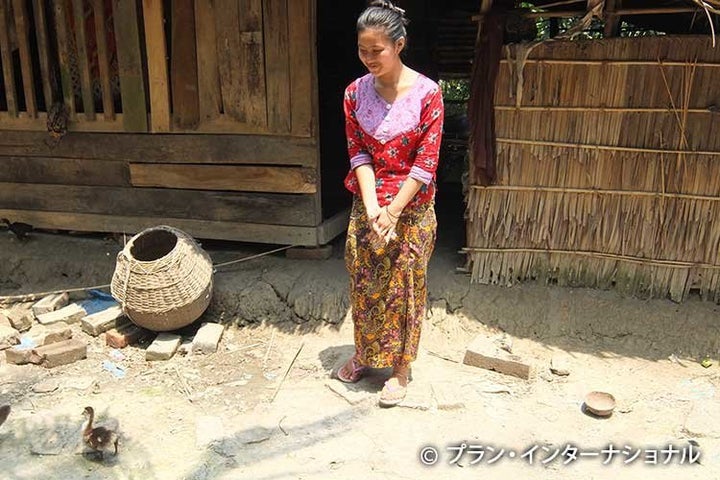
{"x": 201, "y": 114}
{"x": 608, "y": 169}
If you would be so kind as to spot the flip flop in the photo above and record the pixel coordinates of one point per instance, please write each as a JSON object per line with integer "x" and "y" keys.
{"x": 392, "y": 395}
{"x": 357, "y": 372}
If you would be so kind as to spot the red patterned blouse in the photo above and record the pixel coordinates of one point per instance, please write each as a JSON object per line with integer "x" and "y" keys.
{"x": 399, "y": 140}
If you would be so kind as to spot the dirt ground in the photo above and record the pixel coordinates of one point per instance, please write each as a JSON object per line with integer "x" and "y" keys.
{"x": 234, "y": 414}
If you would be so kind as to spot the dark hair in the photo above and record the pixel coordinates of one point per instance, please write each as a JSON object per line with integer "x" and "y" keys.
{"x": 383, "y": 15}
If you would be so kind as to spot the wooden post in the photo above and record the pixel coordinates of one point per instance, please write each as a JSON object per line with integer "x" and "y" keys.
{"x": 23, "y": 38}
{"x": 183, "y": 65}
{"x": 103, "y": 59}
{"x": 612, "y": 21}
{"x": 130, "y": 66}
{"x": 43, "y": 51}
{"x": 83, "y": 60}
{"x": 207, "y": 56}
{"x": 277, "y": 64}
{"x": 63, "y": 43}
{"x": 7, "y": 63}
{"x": 156, "y": 48}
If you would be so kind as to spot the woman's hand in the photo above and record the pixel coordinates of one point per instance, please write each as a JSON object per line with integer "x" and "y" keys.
{"x": 373, "y": 212}
{"x": 384, "y": 225}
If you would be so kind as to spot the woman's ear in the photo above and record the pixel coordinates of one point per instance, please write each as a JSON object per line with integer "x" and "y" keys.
{"x": 400, "y": 45}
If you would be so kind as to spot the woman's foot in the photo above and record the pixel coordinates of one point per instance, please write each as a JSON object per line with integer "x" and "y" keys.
{"x": 351, "y": 371}
{"x": 395, "y": 387}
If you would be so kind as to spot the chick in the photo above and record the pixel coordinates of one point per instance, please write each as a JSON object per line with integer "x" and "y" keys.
{"x": 99, "y": 439}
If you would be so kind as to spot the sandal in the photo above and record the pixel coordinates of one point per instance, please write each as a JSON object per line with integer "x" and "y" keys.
{"x": 392, "y": 395}
{"x": 355, "y": 375}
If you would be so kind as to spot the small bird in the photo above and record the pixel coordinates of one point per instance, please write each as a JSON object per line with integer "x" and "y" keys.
{"x": 99, "y": 439}
{"x": 4, "y": 412}
{"x": 20, "y": 229}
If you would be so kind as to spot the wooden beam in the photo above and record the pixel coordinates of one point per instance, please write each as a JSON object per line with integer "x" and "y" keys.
{"x": 103, "y": 59}
{"x": 277, "y": 64}
{"x": 83, "y": 61}
{"x": 43, "y": 43}
{"x": 162, "y": 148}
{"x": 62, "y": 31}
{"x": 130, "y": 65}
{"x": 64, "y": 171}
{"x": 183, "y": 65}
{"x": 201, "y": 229}
{"x": 209, "y": 93}
{"x": 333, "y": 226}
{"x": 156, "y": 48}
{"x": 278, "y": 209}
{"x": 239, "y": 178}
{"x": 22, "y": 30}
{"x": 612, "y": 21}
{"x": 621, "y": 12}
{"x": 7, "y": 60}
{"x": 39, "y": 124}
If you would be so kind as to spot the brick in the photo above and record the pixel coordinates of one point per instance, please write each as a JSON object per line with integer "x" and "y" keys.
{"x": 18, "y": 356}
{"x": 21, "y": 317}
{"x": 103, "y": 321}
{"x": 41, "y": 335}
{"x": 50, "y": 303}
{"x": 163, "y": 347}
{"x": 484, "y": 354}
{"x": 207, "y": 338}
{"x": 70, "y": 314}
{"x": 323, "y": 252}
{"x": 8, "y": 337}
{"x": 124, "y": 335}
{"x": 61, "y": 353}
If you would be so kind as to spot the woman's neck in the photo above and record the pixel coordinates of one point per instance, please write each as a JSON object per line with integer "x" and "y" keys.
{"x": 392, "y": 79}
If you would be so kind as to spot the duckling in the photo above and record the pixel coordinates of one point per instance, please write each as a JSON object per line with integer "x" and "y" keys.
{"x": 99, "y": 438}
{"x": 4, "y": 412}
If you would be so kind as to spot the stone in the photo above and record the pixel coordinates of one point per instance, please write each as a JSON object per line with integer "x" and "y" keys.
{"x": 559, "y": 365}
{"x": 69, "y": 314}
{"x": 447, "y": 397}
{"x": 50, "y": 303}
{"x": 103, "y": 321}
{"x": 8, "y": 337}
{"x": 485, "y": 354}
{"x": 41, "y": 335}
{"x": 124, "y": 335}
{"x": 18, "y": 356}
{"x": 349, "y": 392}
{"x": 207, "y": 338}
{"x": 60, "y": 353}
{"x": 21, "y": 317}
{"x": 703, "y": 419}
{"x": 323, "y": 252}
{"x": 163, "y": 347}
{"x": 46, "y": 386}
{"x": 208, "y": 429}
{"x": 418, "y": 397}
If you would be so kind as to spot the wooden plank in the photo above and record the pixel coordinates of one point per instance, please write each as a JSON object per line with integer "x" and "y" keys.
{"x": 23, "y": 122}
{"x": 241, "y": 60}
{"x": 64, "y": 171}
{"x": 223, "y": 149}
{"x": 333, "y": 226}
{"x": 277, "y": 64}
{"x": 103, "y": 59}
{"x": 241, "y": 178}
{"x": 62, "y": 31}
{"x": 156, "y": 48}
{"x": 302, "y": 66}
{"x": 7, "y": 62}
{"x": 43, "y": 43}
{"x": 243, "y": 232}
{"x": 183, "y": 65}
{"x": 82, "y": 59}
{"x": 22, "y": 31}
{"x": 130, "y": 67}
{"x": 612, "y": 21}
{"x": 277, "y": 209}
{"x": 210, "y": 98}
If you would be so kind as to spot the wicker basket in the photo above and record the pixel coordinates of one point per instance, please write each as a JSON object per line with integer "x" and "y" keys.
{"x": 163, "y": 279}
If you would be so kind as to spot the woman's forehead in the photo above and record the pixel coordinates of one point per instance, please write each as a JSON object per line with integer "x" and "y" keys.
{"x": 373, "y": 36}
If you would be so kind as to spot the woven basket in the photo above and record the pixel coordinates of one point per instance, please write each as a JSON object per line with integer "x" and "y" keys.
{"x": 163, "y": 279}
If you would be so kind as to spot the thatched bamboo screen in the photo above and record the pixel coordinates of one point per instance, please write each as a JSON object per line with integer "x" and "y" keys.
{"x": 608, "y": 169}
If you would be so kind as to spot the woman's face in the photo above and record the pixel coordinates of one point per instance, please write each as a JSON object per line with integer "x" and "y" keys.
{"x": 378, "y": 52}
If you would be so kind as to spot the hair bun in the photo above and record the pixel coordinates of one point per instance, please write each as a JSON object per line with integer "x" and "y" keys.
{"x": 389, "y": 5}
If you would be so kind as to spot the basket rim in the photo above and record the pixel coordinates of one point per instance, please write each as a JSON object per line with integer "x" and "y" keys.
{"x": 126, "y": 251}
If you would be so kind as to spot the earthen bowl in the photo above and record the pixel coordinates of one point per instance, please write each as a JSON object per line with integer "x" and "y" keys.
{"x": 601, "y": 404}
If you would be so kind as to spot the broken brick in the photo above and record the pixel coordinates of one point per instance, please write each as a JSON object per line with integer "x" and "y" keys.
{"x": 127, "y": 334}
{"x": 60, "y": 353}
{"x": 50, "y": 303}
{"x": 72, "y": 313}
{"x": 102, "y": 321}
{"x": 163, "y": 347}
{"x": 207, "y": 338}
{"x": 484, "y": 354}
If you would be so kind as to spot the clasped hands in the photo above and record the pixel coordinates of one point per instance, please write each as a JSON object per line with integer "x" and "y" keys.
{"x": 383, "y": 223}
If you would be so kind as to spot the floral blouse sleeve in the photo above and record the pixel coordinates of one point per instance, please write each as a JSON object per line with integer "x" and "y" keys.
{"x": 355, "y": 137}
{"x": 430, "y": 135}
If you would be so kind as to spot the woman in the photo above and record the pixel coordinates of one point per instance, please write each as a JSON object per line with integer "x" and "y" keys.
{"x": 393, "y": 118}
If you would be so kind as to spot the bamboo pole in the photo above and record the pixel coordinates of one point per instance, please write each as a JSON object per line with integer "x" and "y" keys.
{"x": 617, "y": 63}
{"x": 528, "y": 108}
{"x": 601, "y": 147}
{"x": 589, "y": 191}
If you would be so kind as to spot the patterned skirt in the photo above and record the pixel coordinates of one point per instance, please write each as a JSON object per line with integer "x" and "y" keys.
{"x": 388, "y": 291}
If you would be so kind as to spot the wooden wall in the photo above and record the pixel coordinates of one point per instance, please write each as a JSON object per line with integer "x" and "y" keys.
{"x": 197, "y": 113}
